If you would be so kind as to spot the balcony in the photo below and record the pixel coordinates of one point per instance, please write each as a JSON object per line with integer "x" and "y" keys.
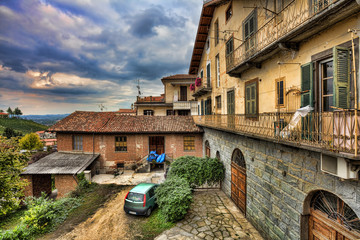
{"x": 204, "y": 89}
{"x": 326, "y": 132}
{"x": 299, "y": 20}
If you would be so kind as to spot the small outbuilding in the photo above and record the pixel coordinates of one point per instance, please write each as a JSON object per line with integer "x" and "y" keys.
{"x": 63, "y": 166}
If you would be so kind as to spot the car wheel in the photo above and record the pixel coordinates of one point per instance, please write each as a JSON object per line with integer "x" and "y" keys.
{"x": 148, "y": 212}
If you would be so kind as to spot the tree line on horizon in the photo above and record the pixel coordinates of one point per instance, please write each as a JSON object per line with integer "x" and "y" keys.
{"x": 13, "y": 113}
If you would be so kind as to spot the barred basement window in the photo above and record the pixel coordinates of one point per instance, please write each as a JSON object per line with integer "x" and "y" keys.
{"x": 189, "y": 143}
{"x": 121, "y": 144}
{"x": 77, "y": 143}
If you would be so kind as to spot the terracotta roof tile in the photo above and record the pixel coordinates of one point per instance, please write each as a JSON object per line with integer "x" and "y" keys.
{"x": 179, "y": 76}
{"x": 112, "y": 122}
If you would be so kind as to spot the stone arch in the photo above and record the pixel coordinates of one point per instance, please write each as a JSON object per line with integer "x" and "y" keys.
{"x": 207, "y": 149}
{"x": 326, "y": 212}
{"x": 217, "y": 155}
{"x": 238, "y": 179}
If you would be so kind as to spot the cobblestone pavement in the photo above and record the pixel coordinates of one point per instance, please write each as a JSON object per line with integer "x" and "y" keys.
{"x": 212, "y": 215}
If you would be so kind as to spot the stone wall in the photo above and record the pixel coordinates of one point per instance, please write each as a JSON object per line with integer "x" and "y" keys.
{"x": 280, "y": 180}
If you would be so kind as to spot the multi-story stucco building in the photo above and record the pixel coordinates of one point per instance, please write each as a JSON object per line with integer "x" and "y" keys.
{"x": 294, "y": 175}
{"x": 177, "y": 99}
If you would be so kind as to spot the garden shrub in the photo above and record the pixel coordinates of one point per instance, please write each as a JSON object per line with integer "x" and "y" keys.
{"x": 174, "y": 198}
{"x": 42, "y": 215}
{"x": 198, "y": 171}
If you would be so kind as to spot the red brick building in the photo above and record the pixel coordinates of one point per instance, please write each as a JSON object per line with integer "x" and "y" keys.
{"x": 127, "y": 139}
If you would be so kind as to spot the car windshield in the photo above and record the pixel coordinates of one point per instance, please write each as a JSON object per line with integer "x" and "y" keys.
{"x": 136, "y": 197}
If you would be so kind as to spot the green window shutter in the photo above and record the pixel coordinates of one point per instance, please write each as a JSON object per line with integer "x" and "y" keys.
{"x": 251, "y": 99}
{"x": 341, "y": 77}
{"x": 307, "y": 90}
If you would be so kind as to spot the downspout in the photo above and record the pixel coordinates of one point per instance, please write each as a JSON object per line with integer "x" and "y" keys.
{"x": 93, "y": 143}
{"x": 355, "y": 90}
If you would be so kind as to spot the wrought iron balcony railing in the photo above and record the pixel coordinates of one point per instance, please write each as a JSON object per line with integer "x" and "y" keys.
{"x": 333, "y": 131}
{"x": 291, "y": 17}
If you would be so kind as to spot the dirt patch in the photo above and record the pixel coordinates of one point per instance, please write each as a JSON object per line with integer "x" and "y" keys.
{"x": 109, "y": 222}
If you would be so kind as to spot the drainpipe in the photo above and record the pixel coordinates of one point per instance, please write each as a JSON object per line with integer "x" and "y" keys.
{"x": 355, "y": 86}
{"x": 93, "y": 144}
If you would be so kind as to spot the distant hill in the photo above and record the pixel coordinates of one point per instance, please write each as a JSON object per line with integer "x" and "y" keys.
{"x": 21, "y": 125}
{"x": 48, "y": 120}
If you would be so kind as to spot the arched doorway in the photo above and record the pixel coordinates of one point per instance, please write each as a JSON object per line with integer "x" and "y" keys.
{"x": 207, "y": 148}
{"x": 238, "y": 180}
{"x": 331, "y": 218}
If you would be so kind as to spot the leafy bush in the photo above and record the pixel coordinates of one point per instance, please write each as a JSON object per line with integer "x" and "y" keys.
{"x": 198, "y": 171}
{"x": 42, "y": 215}
{"x": 174, "y": 198}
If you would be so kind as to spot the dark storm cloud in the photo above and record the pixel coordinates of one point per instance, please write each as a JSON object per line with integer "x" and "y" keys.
{"x": 143, "y": 24}
{"x": 112, "y": 43}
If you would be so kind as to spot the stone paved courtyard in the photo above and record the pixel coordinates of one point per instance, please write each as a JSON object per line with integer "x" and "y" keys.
{"x": 212, "y": 216}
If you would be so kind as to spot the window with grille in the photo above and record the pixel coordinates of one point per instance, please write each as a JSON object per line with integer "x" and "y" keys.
{"x": 77, "y": 143}
{"x": 189, "y": 143}
{"x": 120, "y": 144}
{"x": 280, "y": 92}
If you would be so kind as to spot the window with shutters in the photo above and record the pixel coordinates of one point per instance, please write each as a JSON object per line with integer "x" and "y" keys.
{"x": 216, "y": 26}
{"x": 217, "y": 62}
{"x": 218, "y": 102}
{"x": 120, "y": 144}
{"x": 251, "y": 98}
{"x": 249, "y": 29}
{"x": 229, "y": 46}
{"x": 280, "y": 92}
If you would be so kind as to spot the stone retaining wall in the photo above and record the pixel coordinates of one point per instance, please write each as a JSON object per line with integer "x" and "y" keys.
{"x": 280, "y": 180}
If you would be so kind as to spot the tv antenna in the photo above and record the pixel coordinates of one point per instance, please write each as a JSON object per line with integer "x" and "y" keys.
{"x": 138, "y": 87}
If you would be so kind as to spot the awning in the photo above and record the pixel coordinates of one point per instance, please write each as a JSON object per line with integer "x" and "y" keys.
{"x": 61, "y": 163}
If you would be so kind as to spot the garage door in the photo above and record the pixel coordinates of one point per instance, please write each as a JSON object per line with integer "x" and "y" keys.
{"x": 332, "y": 219}
{"x": 238, "y": 180}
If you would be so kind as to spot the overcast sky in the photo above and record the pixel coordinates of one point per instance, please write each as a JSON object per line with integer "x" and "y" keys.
{"x": 65, "y": 55}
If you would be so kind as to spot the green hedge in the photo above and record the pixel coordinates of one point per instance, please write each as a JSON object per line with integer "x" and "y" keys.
{"x": 198, "y": 171}
{"x": 174, "y": 198}
{"x": 42, "y": 215}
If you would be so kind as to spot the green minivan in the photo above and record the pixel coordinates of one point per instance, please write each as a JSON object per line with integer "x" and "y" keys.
{"x": 141, "y": 199}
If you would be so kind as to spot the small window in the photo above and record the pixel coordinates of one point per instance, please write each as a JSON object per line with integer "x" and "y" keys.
{"x": 218, "y": 102}
{"x": 207, "y": 149}
{"x": 228, "y": 13}
{"x": 202, "y": 74}
{"x": 229, "y": 46}
{"x": 77, "y": 143}
{"x": 189, "y": 143}
{"x": 120, "y": 144}
{"x": 149, "y": 112}
{"x": 216, "y": 26}
{"x": 280, "y": 92}
{"x": 217, "y": 71}
{"x": 170, "y": 112}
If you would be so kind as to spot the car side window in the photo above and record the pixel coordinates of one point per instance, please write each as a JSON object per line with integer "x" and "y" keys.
{"x": 151, "y": 192}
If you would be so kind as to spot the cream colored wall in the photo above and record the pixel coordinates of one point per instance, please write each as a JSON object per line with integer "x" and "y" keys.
{"x": 270, "y": 69}
{"x": 170, "y": 92}
{"x": 158, "y": 111}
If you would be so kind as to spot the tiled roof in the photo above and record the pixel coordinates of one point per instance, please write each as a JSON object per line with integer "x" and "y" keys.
{"x": 2, "y": 113}
{"x": 112, "y": 122}
{"x": 150, "y": 99}
{"x": 179, "y": 76}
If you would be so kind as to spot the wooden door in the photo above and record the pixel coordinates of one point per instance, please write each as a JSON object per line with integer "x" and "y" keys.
{"x": 183, "y": 93}
{"x": 156, "y": 143}
{"x": 332, "y": 219}
{"x": 238, "y": 180}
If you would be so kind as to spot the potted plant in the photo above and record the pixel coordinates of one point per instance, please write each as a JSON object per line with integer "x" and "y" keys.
{"x": 192, "y": 87}
{"x": 198, "y": 82}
